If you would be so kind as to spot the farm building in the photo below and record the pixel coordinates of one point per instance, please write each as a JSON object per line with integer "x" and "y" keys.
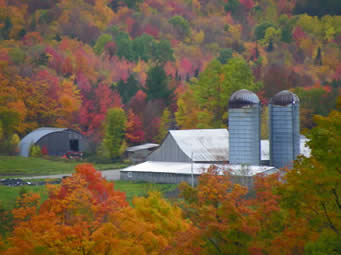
{"x": 185, "y": 154}
{"x": 174, "y": 161}
{"x": 196, "y": 145}
{"x": 56, "y": 141}
{"x": 176, "y": 172}
{"x": 139, "y": 153}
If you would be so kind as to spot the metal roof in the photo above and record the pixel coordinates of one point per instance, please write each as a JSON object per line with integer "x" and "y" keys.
{"x": 33, "y": 137}
{"x": 197, "y": 168}
{"x": 213, "y": 144}
{"x": 284, "y": 98}
{"x": 142, "y": 147}
{"x": 304, "y": 149}
{"x": 203, "y": 144}
{"x": 243, "y": 98}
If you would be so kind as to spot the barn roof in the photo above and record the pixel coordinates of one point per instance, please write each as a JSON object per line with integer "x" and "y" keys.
{"x": 35, "y": 136}
{"x": 197, "y": 168}
{"x": 304, "y": 149}
{"x": 203, "y": 144}
{"x": 142, "y": 147}
{"x": 212, "y": 145}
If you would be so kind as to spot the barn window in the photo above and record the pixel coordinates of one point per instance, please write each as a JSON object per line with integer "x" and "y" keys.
{"x": 74, "y": 145}
{"x": 130, "y": 175}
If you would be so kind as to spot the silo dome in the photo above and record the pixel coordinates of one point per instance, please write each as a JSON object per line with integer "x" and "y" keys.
{"x": 244, "y": 128}
{"x": 284, "y": 127}
{"x": 284, "y": 98}
{"x": 242, "y": 98}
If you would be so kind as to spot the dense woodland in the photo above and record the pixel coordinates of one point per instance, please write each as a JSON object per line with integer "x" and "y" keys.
{"x": 165, "y": 64}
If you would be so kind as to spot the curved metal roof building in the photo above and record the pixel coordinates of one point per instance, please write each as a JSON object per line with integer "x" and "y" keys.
{"x": 57, "y": 141}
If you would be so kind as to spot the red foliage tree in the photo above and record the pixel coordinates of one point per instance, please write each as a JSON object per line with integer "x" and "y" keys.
{"x": 134, "y": 129}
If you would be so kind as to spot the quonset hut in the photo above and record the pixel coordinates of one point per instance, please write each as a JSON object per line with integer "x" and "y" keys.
{"x": 284, "y": 129}
{"x": 57, "y": 141}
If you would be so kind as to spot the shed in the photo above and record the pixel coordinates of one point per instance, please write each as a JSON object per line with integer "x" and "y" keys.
{"x": 198, "y": 145}
{"x": 57, "y": 141}
{"x": 139, "y": 153}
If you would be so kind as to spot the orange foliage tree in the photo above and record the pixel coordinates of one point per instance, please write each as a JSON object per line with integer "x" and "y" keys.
{"x": 85, "y": 215}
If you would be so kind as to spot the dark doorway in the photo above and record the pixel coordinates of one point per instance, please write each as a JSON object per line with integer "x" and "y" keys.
{"x": 74, "y": 145}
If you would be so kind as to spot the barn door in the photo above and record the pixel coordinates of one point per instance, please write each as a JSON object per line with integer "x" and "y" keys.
{"x": 74, "y": 145}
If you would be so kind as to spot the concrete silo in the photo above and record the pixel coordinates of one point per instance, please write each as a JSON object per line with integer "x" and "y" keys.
{"x": 244, "y": 128}
{"x": 284, "y": 128}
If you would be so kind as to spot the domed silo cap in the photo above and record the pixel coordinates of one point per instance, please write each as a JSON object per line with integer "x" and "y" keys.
{"x": 243, "y": 98}
{"x": 284, "y": 98}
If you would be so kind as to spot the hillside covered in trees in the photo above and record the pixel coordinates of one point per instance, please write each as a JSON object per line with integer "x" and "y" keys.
{"x": 166, "y": 64}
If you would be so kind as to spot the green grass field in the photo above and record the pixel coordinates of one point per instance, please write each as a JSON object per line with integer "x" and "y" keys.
{"x": 11, "y": 166}
{"x": 8, "y": 195}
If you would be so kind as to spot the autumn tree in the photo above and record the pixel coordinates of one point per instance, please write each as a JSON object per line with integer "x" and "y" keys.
{"x": 68, "y": 220}
{"x": 219, "y": 214}
{"x": 134, "y": 133}
{"x": 102, "y": 40}
{"x": 85, "y": 215}
{"x": 308, "y": 98}
{"x": 164, "y": 126}
{"x": 214, "y": 87}
{"x": 312, "y": 189}
{"x": 181, "y": 25}
{"x": 113, "y": 140}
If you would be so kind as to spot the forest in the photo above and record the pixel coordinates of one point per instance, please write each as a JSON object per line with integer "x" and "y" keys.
{"x": 159, "y": 65}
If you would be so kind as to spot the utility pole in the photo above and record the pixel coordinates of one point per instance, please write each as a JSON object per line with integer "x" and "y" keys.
{"x": 192, "y": 170}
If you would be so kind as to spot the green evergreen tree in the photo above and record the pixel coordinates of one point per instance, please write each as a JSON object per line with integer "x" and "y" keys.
{"x": 157, "y": 85}
{"x": 142, "y": 47}
{"x": 128, "y": 89}
{"x": 162, "y": 52}
{"x": 124, "y": 46}
{"x": 224, "y": 55}
{"x": 260, "y": 30}
{"x": 232, "y": 6}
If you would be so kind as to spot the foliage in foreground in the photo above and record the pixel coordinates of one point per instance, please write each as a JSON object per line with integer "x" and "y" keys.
{"x": 85, "y": 215}
{"x": 300, "y": 215}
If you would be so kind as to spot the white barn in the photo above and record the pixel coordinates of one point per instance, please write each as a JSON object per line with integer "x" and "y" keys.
{"x": 185, "y": 154}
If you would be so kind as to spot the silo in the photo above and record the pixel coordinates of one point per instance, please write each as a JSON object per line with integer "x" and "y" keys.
{"x": 244, "y": 128}
{"x": 284, "y": 128}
